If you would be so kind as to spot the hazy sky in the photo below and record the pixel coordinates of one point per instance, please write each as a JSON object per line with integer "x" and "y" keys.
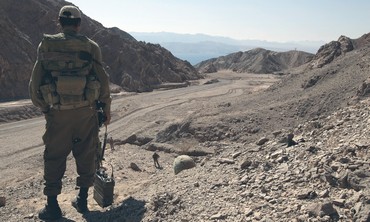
{"x": 271, "y": 20}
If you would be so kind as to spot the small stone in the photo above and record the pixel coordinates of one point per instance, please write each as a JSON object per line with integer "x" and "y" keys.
{"x": 257, "y": 215}
{"x": 2, "y": 201}
{"x": 235, "y": 155}
{"x": 339, "y": 202}
{"x": 218, "y": 216}
{"x": 29, "y": 216}
{"x": 282, "y": 159}
{"x": 306, "y": 194}
{"x": 248, "y": 212}
{"x": 275, "y": 154}
{"x": 353, "y": 167}
{"x": 245, "y": 164}
{"x": 226, "y": 161}
{"x": 276, "y": 133}
{"x": 135, "y": 167}
{"x": 283, "y": 168}
{"x": 262, "y": 141}
{"x": 244, "y": 179}
{"x": 324, "y": 193}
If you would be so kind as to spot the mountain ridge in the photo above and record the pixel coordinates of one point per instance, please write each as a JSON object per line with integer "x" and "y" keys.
{"x": 186, "y": 46}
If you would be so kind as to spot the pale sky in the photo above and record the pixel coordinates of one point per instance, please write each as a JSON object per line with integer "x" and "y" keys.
{"x": 271, "y": 20}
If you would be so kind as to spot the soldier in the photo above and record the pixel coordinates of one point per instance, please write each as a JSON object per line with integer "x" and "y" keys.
{"x": 155, "y": 159}
{"x": 67, "y": 80}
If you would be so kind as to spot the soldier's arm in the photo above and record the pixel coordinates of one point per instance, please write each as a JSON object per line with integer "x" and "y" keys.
{"x": 35, "y": 82}
{"x": 102, "y": 76}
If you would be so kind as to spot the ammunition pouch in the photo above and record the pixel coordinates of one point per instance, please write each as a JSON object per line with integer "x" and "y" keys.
{"x": 71, "y": 85}
{"x": 71, "y": 89}
{"x": 92, "y": 91}
{"x": 49, "y": 94}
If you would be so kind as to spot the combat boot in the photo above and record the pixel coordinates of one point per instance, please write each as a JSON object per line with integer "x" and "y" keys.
{"x": 50, "y": 212}
{"x": 80, "y": 204}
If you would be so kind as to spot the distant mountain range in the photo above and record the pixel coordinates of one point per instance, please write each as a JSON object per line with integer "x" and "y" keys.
{"x": 196, "y": 48}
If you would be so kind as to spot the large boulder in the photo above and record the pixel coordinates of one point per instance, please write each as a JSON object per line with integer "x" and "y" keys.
{"x": 183, "y": 162}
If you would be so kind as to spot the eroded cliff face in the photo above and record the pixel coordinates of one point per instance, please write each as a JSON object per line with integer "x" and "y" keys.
{"x": 133, "y": 65}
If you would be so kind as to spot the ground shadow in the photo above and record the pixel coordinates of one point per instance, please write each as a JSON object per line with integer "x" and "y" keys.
{"x": 130, "y": 210}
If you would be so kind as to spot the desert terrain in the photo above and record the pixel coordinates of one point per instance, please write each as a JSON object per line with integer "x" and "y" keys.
{"x": 291, "y": 145}
{"x": 234, "y": 126}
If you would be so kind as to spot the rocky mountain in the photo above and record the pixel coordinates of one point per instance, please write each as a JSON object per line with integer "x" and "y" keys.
{"x": 328, "y": 52}
{"x": 132, "y": 65}
{"x": 257, "y": 60}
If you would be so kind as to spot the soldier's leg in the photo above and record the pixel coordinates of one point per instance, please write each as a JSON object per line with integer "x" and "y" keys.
{"x": 84, "y": 152}
{"x": 58, "y": 145}
{"x": 57, "y": 140}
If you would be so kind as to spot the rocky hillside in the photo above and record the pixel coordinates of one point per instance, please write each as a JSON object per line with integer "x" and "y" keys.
{"x": 255, "y": 61}
{"x": 133, "y": 65}
{"x": 322, "y": 174}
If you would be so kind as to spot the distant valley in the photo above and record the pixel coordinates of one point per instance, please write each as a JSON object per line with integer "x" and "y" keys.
{"x": 196, "y": 48}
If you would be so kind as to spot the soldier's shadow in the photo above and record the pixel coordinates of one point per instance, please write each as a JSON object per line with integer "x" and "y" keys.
{"x": 130, "y": 210}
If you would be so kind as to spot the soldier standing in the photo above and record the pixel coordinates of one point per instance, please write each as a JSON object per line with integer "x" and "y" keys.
{"x": 67, "y": 80}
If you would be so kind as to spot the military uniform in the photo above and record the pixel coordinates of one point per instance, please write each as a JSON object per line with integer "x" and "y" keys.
{"x": 67, "y": 79}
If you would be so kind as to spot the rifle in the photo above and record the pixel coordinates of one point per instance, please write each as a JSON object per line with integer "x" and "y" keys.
{"x": 101, "y": 149}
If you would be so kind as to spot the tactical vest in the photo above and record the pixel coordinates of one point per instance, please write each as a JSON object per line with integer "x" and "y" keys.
{"x": 69, "y": 83}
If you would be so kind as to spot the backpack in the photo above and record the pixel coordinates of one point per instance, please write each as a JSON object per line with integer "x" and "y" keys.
{"x": 69, "y": 82}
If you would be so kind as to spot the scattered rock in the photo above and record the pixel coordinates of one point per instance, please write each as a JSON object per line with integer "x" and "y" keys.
{"x": 218, "y": 216}
{"x": 323, "y": 209}
{"x": 262, "y": 141}
{"x": 245, "y": 164}
{"x": 135, "y": 167}
{"x": 291, "y": 142}
{"x": 306, "y": 194}
{"x": 225, "y": 161}
{"x": 339, "y": 202}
